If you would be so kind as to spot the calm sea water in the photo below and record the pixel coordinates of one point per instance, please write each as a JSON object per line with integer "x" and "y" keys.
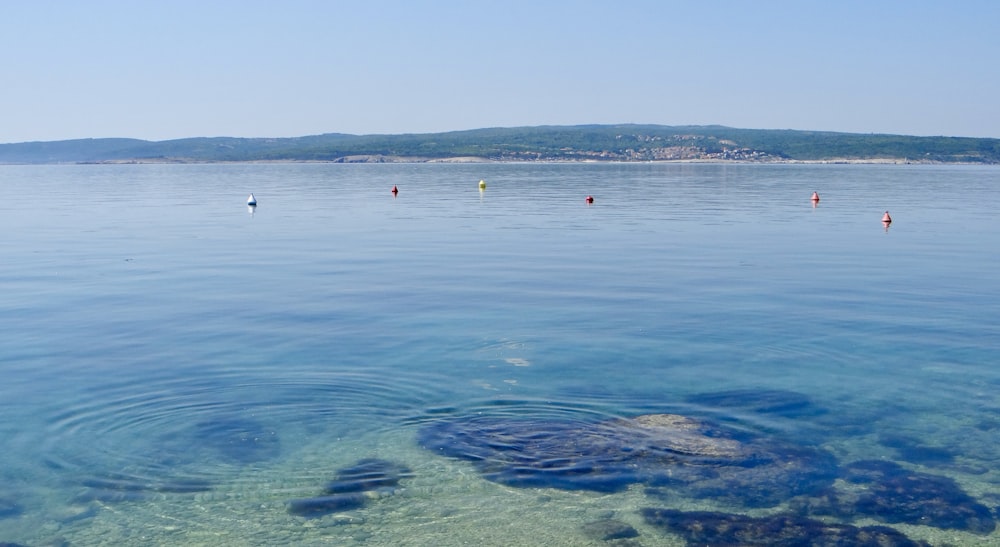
{"x": 176, "y": 368}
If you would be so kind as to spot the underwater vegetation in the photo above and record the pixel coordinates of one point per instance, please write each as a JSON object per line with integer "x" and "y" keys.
{"x": 790, "y": 472}
{"x": 679, "y": 457}
{"x": 895, "y": 494}
{"x": 660, "y": 450}
{"x": 713, "y": 528}
{"x": 352, "y": 488}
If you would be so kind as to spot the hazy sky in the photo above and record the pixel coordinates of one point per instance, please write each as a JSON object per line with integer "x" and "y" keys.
{"x": 177, "y": 68}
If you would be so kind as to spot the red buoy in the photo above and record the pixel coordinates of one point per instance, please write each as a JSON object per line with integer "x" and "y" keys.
{"x": 590, "y": 199}
{"x": 395, "y": 190}
{"x": 886, "y": 218}
{"x": 815, "y": 197}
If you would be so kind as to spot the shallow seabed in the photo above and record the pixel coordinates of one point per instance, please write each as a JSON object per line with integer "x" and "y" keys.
{"x": 505, "y": 367}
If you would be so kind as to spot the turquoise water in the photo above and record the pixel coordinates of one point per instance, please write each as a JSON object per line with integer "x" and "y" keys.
{"x": 177, "y": 368}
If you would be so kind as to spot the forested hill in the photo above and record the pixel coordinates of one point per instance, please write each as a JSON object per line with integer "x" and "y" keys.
{"x": 542, "y": 143}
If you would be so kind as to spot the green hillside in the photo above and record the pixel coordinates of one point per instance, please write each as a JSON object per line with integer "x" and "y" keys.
{"x": 542, "y": 143}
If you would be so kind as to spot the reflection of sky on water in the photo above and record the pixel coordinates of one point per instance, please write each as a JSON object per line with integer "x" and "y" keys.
{"x": 162, "y": 347}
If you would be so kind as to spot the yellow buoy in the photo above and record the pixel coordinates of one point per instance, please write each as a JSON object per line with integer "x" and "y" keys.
{"x": 482, "y": 184}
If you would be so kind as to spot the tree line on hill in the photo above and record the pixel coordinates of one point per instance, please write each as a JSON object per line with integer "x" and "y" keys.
{"x": 628, "y": 142}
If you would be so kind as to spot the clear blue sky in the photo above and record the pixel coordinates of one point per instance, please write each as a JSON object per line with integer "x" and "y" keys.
{"x": 181, "y": 68}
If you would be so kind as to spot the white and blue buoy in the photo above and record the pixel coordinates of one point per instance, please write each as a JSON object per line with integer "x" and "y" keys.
{"x": 252, "y": 201}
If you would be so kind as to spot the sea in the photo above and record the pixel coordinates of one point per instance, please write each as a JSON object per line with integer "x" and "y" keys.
{"x": 700, "y": 349}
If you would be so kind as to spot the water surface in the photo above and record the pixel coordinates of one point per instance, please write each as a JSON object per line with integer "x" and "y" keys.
{"x": 178, "y": 367}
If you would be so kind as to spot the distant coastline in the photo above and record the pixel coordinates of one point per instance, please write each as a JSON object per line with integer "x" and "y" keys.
{"x": 629, "y": 143}
{"x": 474, "y": 160}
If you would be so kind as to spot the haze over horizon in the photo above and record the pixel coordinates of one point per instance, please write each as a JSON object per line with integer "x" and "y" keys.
{"x": 160, "y": 71}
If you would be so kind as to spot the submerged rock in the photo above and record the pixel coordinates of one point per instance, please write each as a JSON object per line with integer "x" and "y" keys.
{"x": 678, "y": 434}
{"x": 791, "y": 471}
{"x": 668, "y": 451}
{"x": 533, "y": 453}
{"x": 368, "y": 474}
{"x": 713, "y": 528}
{"x": 352, "y": 488}
{"x": 896, "y": 494}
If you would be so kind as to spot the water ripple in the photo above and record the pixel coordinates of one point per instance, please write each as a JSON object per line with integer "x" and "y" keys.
{"x": 182, "y": 434}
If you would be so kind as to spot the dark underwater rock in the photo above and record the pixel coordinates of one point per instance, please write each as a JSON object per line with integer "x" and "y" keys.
{"x": 352, "y": 488}
{"x": 668, "y": 451}
{"x": 763, "y": 401}
{"x": 713, "y": 528}
{"x": 529, "y": 453}
{"x": 792, "y": 471}
{"x": 571, "y": 455}
{"x": 368, "y": 474}
{"x": 238, "y": 440}
{"x": 896, "y": 494}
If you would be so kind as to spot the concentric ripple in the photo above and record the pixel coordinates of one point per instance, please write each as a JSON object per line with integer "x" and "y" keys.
{"x": 131, "y": 439}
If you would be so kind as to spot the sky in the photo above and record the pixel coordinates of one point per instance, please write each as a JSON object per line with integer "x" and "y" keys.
{"x": 168, "y": 69}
